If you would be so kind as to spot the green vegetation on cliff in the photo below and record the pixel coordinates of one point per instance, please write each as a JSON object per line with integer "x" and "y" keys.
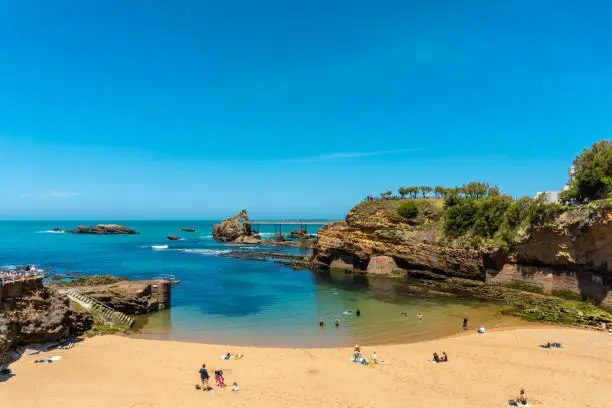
{"x": 592, "y": 175}
{"x": 499, "y": 218}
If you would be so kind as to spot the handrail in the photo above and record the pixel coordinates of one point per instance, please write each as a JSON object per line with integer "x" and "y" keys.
{"x": 103, "y": 306}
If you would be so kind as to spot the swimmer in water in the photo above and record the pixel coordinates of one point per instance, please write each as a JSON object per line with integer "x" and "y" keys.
{"x": 321, "y": 323}
{"x": 347, "y": 312}
{"x": 420, "y": 316}
{"x": 337, "y": 322}
{"x": 358, "y": 312}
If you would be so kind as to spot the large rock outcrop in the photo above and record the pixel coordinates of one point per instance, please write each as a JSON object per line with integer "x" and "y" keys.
{"x": 571, "y": 256}
{"x": 233, "y": 229}
{"x": 365, "y": 234}
{"x": 130, "y": 297}
{"x": 39, "y": 317}
{"x": 103, "y": 229}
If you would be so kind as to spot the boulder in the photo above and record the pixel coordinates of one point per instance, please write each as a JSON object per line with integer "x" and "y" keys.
{"x": 173, "y": 237}
{"x": 188, "y": 229}
{"x": 103, "y": 229}
{"x": 381, "y": 265}
{"x": 232, "y": 229}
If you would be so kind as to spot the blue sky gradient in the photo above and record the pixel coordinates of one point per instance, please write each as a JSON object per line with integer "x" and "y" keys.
{"x": 196, "y": 109}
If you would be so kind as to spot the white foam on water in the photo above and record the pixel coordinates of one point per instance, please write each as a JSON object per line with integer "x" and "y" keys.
{"x": 50, "y": 232}
{"x": 159, "y": 247}
{"x": 203, "y": 251}
{"x": 266, "y": 234}
{"x": 206, "y": 236}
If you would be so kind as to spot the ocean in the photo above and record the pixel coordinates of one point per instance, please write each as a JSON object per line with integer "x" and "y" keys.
{"x": 229, "y": 301}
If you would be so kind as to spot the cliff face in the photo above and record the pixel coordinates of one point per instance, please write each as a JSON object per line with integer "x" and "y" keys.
{"x": 573, "y": 255}
{"x": 39, "y": 317}
{"x": 369, "y": 232}
{"x": 233, "y": 229}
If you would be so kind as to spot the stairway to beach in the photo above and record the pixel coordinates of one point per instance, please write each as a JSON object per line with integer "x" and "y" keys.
{"x": 106, "y": 311}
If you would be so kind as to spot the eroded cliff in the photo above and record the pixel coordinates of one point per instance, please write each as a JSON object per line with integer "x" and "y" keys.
{"x": 572, "y": 255}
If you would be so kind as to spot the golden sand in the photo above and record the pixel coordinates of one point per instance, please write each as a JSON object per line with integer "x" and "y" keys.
{"x": 483, "y": 371}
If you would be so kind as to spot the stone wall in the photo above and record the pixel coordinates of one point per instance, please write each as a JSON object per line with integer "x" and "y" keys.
{"x": 552, "y": 282}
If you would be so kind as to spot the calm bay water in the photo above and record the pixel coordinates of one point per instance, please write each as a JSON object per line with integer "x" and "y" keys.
{"x": 222, "y": 300}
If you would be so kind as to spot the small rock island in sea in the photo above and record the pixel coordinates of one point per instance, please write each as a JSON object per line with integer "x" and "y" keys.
{"x": 235, "y": 230}
{"x": 103, "y": 229}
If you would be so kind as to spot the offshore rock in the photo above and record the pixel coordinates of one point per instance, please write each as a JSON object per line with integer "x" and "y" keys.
{"x": 188, "y": 229}
{"x": 173, "y": 238}
{"x": 103, "y": 229}
{"x": 233, "y": 229}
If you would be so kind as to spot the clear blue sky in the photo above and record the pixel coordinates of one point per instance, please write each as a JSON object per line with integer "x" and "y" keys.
{"x": 140, "y": 109}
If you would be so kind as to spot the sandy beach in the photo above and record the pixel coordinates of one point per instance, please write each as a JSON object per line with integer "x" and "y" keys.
{"x": 483, "y": 371}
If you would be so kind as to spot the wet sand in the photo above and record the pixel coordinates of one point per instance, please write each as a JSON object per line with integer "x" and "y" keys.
{"x": 483, "y": 371}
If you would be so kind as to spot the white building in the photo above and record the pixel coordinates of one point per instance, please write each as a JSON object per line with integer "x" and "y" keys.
{"x": 549, "y": 197}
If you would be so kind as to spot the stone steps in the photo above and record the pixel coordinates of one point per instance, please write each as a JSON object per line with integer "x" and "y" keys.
{"x": 104, "y": 310}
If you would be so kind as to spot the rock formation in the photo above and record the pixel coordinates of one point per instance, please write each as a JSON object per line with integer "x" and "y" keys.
{"x": 188, "y": 229}
{"x": 233, "y": 229}
{"x": 574, "y": 255}
{"x": 129, "y": 297}
{"x": 39, "y": 317}
{"x": 103, "y": 229}
{"x": 173, "y": 237}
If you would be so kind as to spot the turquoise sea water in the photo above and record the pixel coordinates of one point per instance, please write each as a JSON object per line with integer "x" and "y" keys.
{"x": 222, "y": 300}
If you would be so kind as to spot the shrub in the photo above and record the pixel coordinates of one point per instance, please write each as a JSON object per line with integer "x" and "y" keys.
{"x": 408, "y": 210}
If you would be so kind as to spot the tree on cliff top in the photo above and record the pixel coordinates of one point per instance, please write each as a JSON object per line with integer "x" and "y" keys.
{"x": 425, "y": 190}
{"x": 593, "y": 173}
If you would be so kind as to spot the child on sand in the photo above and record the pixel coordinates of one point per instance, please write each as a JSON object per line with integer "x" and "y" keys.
{"x": 420, "y": 316}
{"x": 235, "y": 387}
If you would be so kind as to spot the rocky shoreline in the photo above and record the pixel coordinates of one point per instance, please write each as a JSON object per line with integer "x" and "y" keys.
{"x": 37, "y": 313}
{"x": 571, "y": 257}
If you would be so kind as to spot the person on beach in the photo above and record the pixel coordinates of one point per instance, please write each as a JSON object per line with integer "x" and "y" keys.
{"x": 481, "y": 330}
{"x": 219, "y": 380}
{"x": 436, "y": 358}
{"x": 420, "y": 316}
{"x": 444, "y": 357}
{"x": 321, "y": 323}
{"x": 374, "y": 357}
{"x": 235, "y": 387}
{"x": 465, "y": 322}
{"x": 356, "y": 352}
{"x": 337, "y": 322}
{"x": 204, "y": 377}
{"x": 358, "y": 312}
{"x": 228, "y": 356}
{"x": 522, "y": 399}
